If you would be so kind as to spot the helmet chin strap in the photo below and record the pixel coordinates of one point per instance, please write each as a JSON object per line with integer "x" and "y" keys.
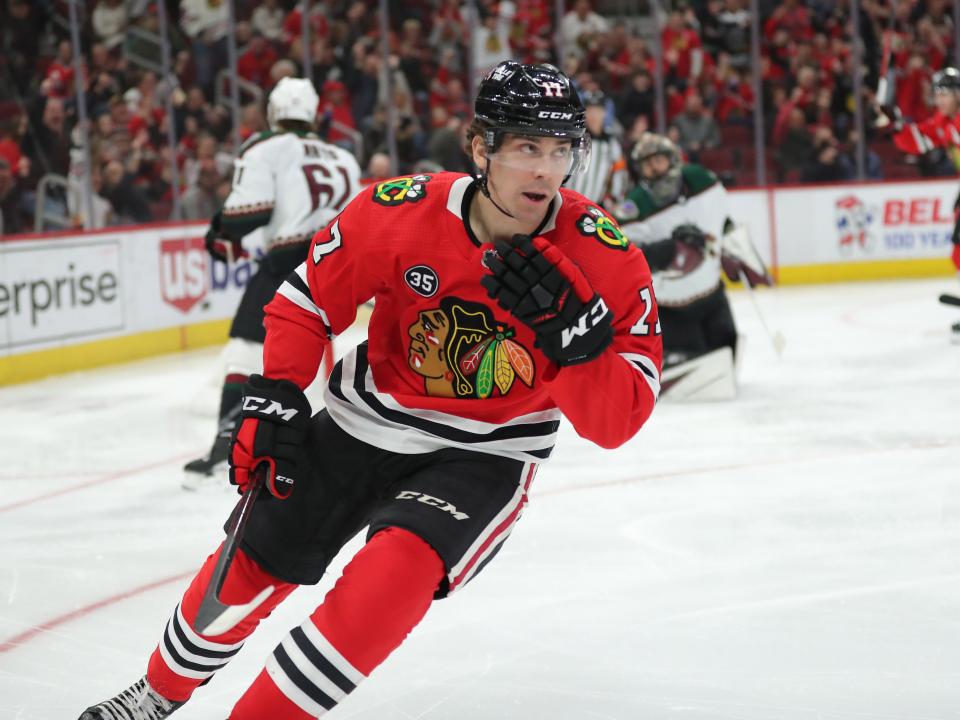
{"x": 483, "y": 180}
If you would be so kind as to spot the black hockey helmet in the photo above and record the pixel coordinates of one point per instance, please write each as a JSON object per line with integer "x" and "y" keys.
{"x": 946, "y": 80}
{"x": 530, "y": 100}
{"x": 536, "y": 100}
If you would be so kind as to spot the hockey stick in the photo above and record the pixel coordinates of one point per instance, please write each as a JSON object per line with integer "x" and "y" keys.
{"x": 215, "y": 617}
{"x": 776, "y": 337}
{"x": 950, "y": 300}
{"x": 881, "y": 99}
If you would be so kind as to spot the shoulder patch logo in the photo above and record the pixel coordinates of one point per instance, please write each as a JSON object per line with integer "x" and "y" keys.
{"x": 401, "y": 190}
{"x": 422, "y": 280}
{"x": 597, "y": 223}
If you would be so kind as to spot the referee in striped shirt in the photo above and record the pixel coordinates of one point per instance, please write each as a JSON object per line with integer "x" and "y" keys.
{"x": 605, "y": 177}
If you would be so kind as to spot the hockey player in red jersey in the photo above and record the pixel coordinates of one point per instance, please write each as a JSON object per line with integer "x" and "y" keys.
{"x": 937, "y": 139}
{"x": 501, "y": 302}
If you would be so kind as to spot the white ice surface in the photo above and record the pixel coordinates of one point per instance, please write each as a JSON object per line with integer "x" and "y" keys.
{"x": 794, "y": 554}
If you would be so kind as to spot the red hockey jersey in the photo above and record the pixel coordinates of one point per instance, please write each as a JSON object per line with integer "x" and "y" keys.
{"x": 936, "y": 131}
{"x": 443, "y": 364}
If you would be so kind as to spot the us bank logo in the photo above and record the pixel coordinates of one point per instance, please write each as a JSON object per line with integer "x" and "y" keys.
{"x": 855, "y": 222}
{"x": 188, "y": 276}
{"x": 184, "y": 277}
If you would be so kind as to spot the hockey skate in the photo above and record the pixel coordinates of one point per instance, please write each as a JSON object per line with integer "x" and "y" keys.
{"x": 203, "y": 471}
{"x": 137, "y": 702}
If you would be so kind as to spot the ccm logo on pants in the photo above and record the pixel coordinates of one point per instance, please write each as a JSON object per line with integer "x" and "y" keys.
{"x": 433, "y": 501}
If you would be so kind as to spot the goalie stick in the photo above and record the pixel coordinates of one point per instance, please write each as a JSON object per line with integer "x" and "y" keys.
{"x": 777, "y": 339}
{"x": 215, "y": 617}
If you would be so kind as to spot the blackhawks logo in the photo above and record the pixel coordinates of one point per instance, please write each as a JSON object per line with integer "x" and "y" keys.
{"x": 400, "y": 190}
{"x": 597, "y": 223}
{"x": 461, "y": 351}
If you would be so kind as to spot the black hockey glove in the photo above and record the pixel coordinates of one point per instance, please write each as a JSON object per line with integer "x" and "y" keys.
{"x": 689, "y": 250}
{"x": 220, "y": 246}
{"x": 272, "y": 428}
{"x": 889, "y": 115}
{"x": 543, "y": 288}
{"x": 690, "y": 234}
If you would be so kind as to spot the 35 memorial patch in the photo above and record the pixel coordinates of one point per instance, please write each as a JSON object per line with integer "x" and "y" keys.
{"x": 596, "y": 223}
{"x": 401, "y": 190}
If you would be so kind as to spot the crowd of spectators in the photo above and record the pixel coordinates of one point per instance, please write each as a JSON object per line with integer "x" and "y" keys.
{"x": 806, "y": 68}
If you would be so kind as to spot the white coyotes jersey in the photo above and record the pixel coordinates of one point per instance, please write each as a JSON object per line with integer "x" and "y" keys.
{"x": 708, "y": 210}
{"x": 300, "y": 180}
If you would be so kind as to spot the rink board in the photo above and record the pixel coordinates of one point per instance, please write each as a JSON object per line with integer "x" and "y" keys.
{"x": 74, "y": 301}
{"x": 70, "y": 301}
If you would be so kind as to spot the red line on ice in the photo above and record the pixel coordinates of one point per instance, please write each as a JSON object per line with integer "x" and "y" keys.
{"x": 120, "y": 474}
{"x": 25, "y": 636}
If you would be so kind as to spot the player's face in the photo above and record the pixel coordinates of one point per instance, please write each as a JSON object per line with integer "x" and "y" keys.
{"x": 654, "y": 166}
{"x": 428, "y": 336}
{"x": 946, "y": 102}
{"x": 526, "y": 172}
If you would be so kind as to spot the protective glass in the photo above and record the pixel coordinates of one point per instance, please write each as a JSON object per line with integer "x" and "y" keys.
{"x": 531, "y": 156}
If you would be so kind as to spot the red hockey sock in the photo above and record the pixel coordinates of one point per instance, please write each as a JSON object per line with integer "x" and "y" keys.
{"x": 381, "y": 596}
{"x": 184, "y": 659}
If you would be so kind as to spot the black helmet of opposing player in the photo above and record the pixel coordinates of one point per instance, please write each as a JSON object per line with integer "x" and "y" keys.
{"x": 946, "y": 80}
{"x": 535, "y": 100}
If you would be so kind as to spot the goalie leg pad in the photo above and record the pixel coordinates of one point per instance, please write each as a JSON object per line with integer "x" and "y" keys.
{"x": 707, "y": 377}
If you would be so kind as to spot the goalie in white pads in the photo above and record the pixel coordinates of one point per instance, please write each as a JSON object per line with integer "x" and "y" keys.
{"x": 292, "y": 184}
{"x": 679, "y": 216}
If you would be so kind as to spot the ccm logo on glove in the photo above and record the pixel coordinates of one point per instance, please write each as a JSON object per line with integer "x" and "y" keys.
{"x": 585, "y": 323}
{"x": 260, "y": 406}
{"x": 541, "y": 287}
{"x": 273, "y": 426}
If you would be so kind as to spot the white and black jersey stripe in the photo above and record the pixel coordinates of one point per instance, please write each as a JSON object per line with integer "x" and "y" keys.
{"x": 647, "y": 368}
{"x": 310, "y": 671}
{"x": 600, "y": 180}
{"x": 296, "y": 289}
{"x": 353, "y": 400}
{"x": 188, "y": 654}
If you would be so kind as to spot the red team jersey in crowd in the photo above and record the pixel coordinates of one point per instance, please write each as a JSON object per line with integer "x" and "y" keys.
{"x": 938, "y": 130}
{"x": 445, "y": 366}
